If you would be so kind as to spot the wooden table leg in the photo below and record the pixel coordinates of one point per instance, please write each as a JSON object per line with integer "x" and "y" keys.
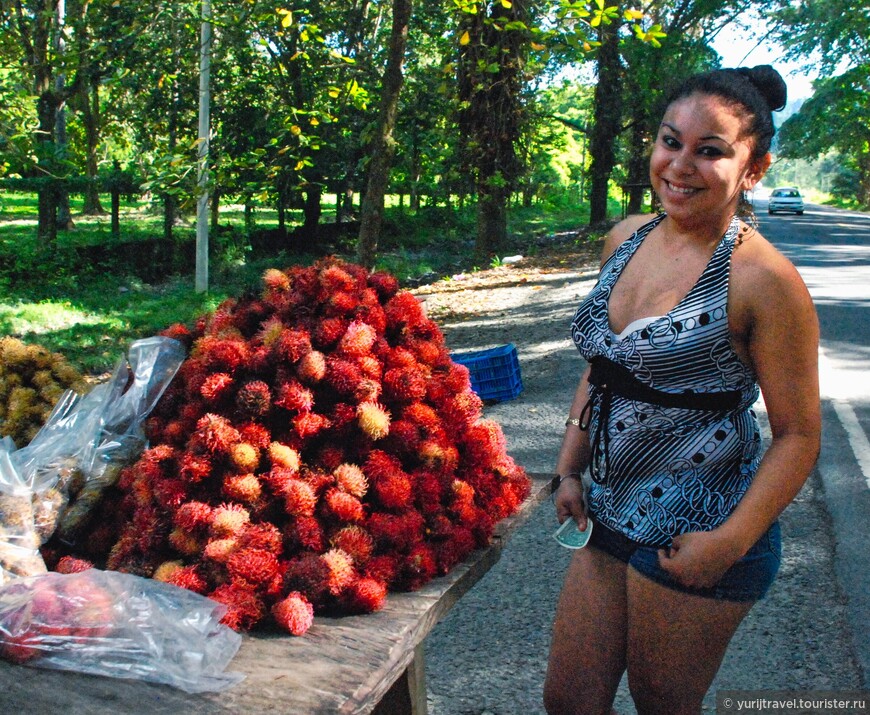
{"x": 408, "y": 694}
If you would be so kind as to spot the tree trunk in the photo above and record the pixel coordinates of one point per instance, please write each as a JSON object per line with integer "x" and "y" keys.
{"x": 249, "y": 216}
{"x": 491, "y": 225}
{"x": 311, "y": 209}
{"x": 490, "y": 80}
{"x": 64, "y": 214}
{"x": 607, "y": 113}
{"x": 383, "y": 146}
{"x": 638, "y": 163}
{"x": 90, "y": 106}
{"x": 282, "y": 207}
{"x": 47, "y": 212}
{"x": 170, "y": 203}
{"x": 214, "y": 206}
{"x": 864, "y": 179}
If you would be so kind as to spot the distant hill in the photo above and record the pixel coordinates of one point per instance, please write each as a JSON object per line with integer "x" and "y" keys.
{"x": 792, "y": 107}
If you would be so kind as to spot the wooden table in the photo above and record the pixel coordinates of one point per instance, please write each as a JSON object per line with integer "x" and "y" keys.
{"x": 349, "y": 665}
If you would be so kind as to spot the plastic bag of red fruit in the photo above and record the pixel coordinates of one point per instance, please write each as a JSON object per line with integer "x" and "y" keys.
{"x": 118, "y": 625}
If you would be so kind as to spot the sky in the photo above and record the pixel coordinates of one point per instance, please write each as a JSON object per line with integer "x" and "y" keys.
{"x": 733, "y": 44}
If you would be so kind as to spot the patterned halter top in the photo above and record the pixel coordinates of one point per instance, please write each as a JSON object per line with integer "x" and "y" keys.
{"x": 667, "y": 470}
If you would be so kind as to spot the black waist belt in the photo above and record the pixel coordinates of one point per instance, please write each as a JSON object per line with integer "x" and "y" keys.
{"x": 607, "y": 378}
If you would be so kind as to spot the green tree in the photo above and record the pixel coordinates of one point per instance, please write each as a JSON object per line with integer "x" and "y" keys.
{"x": 607, "y": 117}
{"x": 383, "y": 144}
{"x": 680, "y": 47}
{"x": 834, "y": 36}
{"x": 493, "y": 36}
{"x": 811, "y": 132}
{"x": 31, "y": 29}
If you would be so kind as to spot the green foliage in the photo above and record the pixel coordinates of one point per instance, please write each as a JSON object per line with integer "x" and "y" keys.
{"x": 90, "y": 317}
{"x": 811, "y": 133}
{"x": 829, "y": 33}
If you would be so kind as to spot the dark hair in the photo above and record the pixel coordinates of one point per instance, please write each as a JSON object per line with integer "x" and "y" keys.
{"x": 759, "y": 90}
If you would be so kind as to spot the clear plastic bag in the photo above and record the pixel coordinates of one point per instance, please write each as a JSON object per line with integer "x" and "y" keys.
{"x": 87, "y": 440}
{"x": 19, "y": 542}
{"x": 118, "y": 625}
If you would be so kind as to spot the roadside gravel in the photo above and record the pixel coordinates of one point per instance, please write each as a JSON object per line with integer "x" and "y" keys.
{"x": 488, "y": 656}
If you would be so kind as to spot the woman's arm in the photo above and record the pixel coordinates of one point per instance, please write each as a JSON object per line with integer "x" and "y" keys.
{"x": 784, "y": 349}
{"x": 781, "y": 341}
{"x": 573, "y": 460}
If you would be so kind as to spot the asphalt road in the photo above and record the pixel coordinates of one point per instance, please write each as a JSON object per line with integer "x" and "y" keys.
{"x": 831, "y": 249}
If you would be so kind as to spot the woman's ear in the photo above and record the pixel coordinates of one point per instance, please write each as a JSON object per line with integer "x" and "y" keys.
{"x": 756, "y": 171}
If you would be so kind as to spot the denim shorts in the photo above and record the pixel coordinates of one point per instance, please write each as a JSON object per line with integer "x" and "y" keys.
{"x": 747, "y": 580}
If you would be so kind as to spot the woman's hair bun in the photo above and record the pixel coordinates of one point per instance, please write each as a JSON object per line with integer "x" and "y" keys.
{"x": 769, "y": 82}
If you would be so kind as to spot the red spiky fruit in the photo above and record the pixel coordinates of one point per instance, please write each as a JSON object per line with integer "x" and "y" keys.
{"x": 344, "y": 506}
{"x": 364, "y": 595}
{"x": 374, "y": 420}
{"x": 299, "y": 498}
{"x": 275, "y": 280}
{"x": 245, "y": 488}
{"x": 244, "y": 608}
{"x": 229, "y": 519}
{"x": 350, "y": 478}
{"x": 244, "y": 457}
{"x": 215, "y": 386}
{"x": 393, "y": 491}
{"x": 357, "y": 340}
{"x": 341, "y": 571}
{"x": 71, "y": 564}
{"x": 292, "y": 345}
{"x": 405, "y": 384}
{"x": 285, "y": 456}
{"x": 354, "y": 541}
{"x": 311, "y": 369}
{"x": 193, "y": 515}
{"x": 216, "y": 433}
{"x": 254, "y": 398}
{"x": 190, "y": 578}
{"x": 253, "y": 566}
{"x": 292, "y": 395}
{"x": 294, "y": 614}
{"x": 308, "y": 424}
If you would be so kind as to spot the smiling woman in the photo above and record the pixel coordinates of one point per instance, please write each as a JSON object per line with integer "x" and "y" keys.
{"x": 689, "y": 321}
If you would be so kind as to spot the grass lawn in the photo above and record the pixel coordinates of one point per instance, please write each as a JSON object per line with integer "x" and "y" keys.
{"x": 90, "y": 317}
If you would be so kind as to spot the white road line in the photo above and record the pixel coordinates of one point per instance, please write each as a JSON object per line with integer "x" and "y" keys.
{"x": 857, "y": 438}
{"x": 835, "y": 390}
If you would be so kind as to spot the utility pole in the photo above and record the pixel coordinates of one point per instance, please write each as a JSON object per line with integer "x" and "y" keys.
{"x": 201, "y": 281}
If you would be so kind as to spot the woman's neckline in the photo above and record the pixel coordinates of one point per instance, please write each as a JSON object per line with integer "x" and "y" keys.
{"x": 633, "y": 239}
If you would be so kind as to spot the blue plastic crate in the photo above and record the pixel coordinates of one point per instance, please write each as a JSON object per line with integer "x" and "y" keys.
{"x": 495, "y": 373}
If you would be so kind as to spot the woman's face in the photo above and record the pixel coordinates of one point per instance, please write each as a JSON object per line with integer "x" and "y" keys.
{"x": 701, "y": 159}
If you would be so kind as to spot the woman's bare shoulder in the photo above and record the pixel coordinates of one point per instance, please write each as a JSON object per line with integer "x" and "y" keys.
{"x": 763, "y": 278}
{"x": 621, "y": 232}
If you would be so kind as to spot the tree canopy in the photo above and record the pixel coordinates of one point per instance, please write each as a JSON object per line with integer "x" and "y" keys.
{"x": 451, "y": 102}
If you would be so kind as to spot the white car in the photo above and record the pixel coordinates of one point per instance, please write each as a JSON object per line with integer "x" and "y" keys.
{"x": 787, "y": 199}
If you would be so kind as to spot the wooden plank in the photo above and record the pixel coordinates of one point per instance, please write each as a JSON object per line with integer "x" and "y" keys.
{"x": 342, "y": 666}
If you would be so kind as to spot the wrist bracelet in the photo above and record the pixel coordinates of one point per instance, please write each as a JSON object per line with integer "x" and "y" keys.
{"x": 559, "y": 478}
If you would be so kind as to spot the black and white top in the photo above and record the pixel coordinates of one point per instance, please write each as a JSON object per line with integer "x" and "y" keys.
{"x": 669, "y": 470}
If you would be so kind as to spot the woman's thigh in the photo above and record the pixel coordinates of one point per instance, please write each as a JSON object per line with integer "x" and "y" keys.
{"x": 676, "y": 642}
{"x": 587, "y": 655}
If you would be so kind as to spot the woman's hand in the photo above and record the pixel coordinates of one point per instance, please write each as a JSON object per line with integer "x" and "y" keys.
{"x": 570, "y": 499}
{"x": 698, "y": 559}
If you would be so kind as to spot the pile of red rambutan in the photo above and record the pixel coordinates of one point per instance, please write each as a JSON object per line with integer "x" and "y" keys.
{"x": 317, "y": 448}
